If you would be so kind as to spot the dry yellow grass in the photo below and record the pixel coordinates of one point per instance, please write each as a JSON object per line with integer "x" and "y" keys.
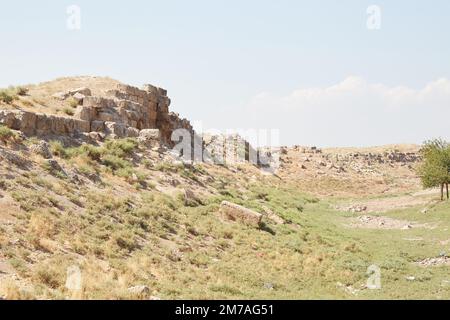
{"x": 39, "y": 97}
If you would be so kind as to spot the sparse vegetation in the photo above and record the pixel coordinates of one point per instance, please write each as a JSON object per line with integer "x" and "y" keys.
{"x": 69, "y": 111}
{"x": 73, "y": 103}
{"x": 121, "y": 213}
{"x": 7, "y": 135}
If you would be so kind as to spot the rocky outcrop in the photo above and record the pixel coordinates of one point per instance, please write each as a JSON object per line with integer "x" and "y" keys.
{"x": 122, "y": 112}
{"x": 32, "y": 123}
{"x": 236, "y": 212}
{"x": 127, "y": 110}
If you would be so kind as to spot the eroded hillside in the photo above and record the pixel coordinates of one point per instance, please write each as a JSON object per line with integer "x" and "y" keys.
{"x": 137, "y": 222}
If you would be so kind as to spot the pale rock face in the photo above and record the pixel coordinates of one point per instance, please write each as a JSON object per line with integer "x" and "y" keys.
{"x": 83, "y": 91}
{"x": 149, "y": 137}
{"x": 84, "y": 113}
{"x": 239, "y": 213}
{"x": 149, "y": 134}
{"x": 140, "y": 291}
{"x": 79, "y": 97}
{"x": 78, "y": 94}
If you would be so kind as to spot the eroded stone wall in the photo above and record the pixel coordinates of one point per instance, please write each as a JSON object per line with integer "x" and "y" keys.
{"x": 121, "y": 112}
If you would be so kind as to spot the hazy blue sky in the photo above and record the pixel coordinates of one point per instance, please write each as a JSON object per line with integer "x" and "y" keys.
{"x": 309, "y": 68}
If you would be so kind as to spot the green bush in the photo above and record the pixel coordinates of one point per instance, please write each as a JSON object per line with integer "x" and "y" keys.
{"x": 7, "y": 96}
{"x": 73, "y": 102}
{"x": 93, "y": 152}
{"x": 114, "y": 162}
{"x": 68, "y": 111}
{"x": 122, "y": 147}
{"x": 5, "y": 133}
{"x": 58, "y": 149}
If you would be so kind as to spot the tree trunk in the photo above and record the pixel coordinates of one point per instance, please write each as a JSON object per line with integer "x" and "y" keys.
{"x": 446, "y": 186}
{"x": 442, "y": 192}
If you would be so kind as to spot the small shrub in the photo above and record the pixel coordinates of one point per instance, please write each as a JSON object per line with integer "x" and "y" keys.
{"x": 57, "y": 149}
{"x": 27, "y": 103}
{"x": 21, "y": 91}
{"x": 6, "y": 134}
{"x": 115, "y": 163}
{"x": 73, "y": 103}
{"x": 68, "y": 111}
{"x": 122, "y": 147}
{"x": 42, "y": 225}
{"x": 49, "y": 277}
{"x": 93, "y": 152}
{"x": 126, "y": 241}
{"x": 7, "y": 96}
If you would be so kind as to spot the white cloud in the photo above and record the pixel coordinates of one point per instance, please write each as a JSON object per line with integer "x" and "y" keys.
{"x": 355, "y": 112}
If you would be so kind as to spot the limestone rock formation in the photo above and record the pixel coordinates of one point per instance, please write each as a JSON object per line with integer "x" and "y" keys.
{"x": 238, "y": 213}
{"x": 121, "y": 112}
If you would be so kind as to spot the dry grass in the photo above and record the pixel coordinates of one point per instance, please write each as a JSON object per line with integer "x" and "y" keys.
{"x": 39, "y": 96}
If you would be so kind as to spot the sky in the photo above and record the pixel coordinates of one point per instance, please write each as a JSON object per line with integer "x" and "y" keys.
{"x": 323, "y": 72}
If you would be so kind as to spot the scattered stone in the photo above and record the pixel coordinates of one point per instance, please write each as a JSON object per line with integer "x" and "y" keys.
{"x": 79, "y": 98}
{"x": 273, "y": 216}
{"x": 42, "y": 148}
{"x": 140, "y": 291}
{"x": 15, "y": 159}
{"x": 379, "y": 222}
{"x": 356, "y": 208}
{"x": 61, "y": 95}
{"x": 190, "y": 199}
{"x": 55, "y": 167}
{"x": 149, "y": 136}
{"x": 239, "y": 213}
{"x": 83, "y": 91}
{"x": 268, "y": 286}
{"x": 433, "y": 262}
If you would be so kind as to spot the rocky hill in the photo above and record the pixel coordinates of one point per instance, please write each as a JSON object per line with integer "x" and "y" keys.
{"x": 95, "y": 203}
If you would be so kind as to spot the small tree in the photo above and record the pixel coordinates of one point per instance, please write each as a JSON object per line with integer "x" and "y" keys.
{"x": 435, "y": 169}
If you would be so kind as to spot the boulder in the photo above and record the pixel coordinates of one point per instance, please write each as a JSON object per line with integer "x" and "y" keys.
{"x": 76, "y": 93}
{"x": 239, "y": 213}
{"x": 140, "y": 291}
{"x": 42, "y": 148}
{"x": 272, "y": 216}
{"x": 11, "y": 119}
{"x": 117, "y": 129}
{"x": 55, "y": 168}
{"x": 61, "y": 95}
{"x": 94, "y": 102}
{"x": 190, "y": 199}
{"x": 132, "y": 132}
{"x": 79, "y": 98}
{"x": 149, "y": 137}
{"x": 84, "y": 113}
{"x": 83, "y": 91}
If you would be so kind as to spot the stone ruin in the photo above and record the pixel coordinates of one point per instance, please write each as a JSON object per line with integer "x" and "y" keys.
{"x": 126, "y": 110}
{"x": 123, "y": 112}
